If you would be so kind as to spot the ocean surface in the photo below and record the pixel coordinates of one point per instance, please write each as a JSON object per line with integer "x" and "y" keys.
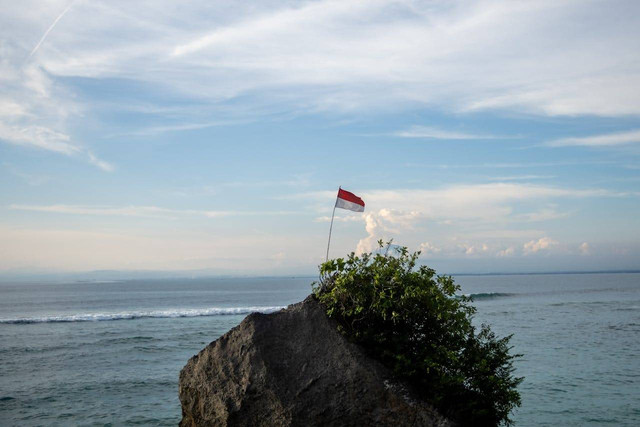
{"x": 110, "y": 353}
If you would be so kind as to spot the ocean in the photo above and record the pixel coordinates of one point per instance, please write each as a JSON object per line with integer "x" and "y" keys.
{"x": 109, "y": 353}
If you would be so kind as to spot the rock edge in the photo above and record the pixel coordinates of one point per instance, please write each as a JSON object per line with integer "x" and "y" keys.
{"x": 293, "y": 368}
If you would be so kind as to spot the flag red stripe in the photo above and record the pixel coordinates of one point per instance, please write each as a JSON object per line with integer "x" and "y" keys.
{"x": 350, "y": 197}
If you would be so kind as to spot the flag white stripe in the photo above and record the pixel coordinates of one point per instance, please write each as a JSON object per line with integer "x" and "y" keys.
{"x": 345, "y": 204}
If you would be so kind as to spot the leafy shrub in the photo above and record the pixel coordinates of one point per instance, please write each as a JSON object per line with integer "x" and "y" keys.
{"x": 413, "y": 322}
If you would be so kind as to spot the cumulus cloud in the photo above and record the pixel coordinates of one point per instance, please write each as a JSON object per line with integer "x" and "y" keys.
{"x": 584, "y": 248}
{"x": 535, "y": 246}
{"x": 374, "y": 228}
{"x": 427, "y": 248}
{"x": 479, "y": 202}
{"x": 483, "y": 214}
{"x": 507, "y": 252}
{"x": 384, "y": 224}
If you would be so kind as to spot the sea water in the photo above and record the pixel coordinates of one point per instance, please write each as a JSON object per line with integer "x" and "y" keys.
{"x": 110, "y": 353}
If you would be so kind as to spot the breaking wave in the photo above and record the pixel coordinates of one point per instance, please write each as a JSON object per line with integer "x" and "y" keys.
{"x": 98, "y": 317}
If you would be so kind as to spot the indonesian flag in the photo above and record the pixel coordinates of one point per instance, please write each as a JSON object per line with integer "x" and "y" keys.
{"x": 349, "y": 201}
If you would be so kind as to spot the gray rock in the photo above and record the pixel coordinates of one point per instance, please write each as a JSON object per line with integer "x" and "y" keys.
{"x": 293, "y": 368}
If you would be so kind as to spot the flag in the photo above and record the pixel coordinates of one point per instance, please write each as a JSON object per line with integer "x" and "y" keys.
{"x": 349, "y": 201}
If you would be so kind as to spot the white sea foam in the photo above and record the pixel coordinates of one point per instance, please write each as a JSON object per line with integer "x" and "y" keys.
{"x": 128, "y": 315}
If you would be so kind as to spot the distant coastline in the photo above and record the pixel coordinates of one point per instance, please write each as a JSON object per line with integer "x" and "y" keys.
{"x": 547, "y": 273}
{"x": 98, "y": 277}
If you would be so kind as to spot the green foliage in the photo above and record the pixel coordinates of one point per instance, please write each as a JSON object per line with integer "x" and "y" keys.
{"x": 412, "y": 321}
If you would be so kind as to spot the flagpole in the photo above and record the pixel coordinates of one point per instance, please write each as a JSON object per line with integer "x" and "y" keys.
{"x": 331, "y": 226}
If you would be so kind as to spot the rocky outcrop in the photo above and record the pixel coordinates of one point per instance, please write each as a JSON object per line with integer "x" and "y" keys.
{"x": 293, "y": 368}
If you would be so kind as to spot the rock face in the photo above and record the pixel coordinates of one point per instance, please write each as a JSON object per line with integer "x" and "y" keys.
{"x": 293, "y": 368}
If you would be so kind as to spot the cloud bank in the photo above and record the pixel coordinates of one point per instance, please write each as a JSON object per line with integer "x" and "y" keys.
{"x": 277, "y": 57}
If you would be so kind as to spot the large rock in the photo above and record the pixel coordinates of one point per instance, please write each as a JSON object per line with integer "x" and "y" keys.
{"x": 293, "y": 368}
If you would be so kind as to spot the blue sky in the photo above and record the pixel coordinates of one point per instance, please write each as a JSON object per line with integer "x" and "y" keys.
{"x": 212, "y": 136}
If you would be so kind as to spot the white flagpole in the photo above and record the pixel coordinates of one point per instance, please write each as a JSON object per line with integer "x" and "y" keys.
{"x": 331, "y": 227}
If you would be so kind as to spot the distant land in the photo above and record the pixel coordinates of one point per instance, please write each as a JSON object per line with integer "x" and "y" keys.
{"x": 98, "y": 276}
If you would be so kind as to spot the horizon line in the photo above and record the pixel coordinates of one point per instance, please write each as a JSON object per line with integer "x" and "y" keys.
{"x": 167, "y": 275}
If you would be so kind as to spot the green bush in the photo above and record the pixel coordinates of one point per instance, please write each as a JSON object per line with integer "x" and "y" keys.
{"x": 415, "y": 324}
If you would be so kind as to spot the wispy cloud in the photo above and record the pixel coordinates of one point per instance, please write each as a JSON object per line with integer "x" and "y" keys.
{"x": 461, "y": 209}
{"x": 105, "y": 166}
{"x": 513, "y": 165}
{"x": 446, "y": 55}
{"x": 129, "y": 211}
{"x": 604, "y": 140}
{"x": 141, "y": 211}
{"x": 520, "y": 177}
{"x": 427, "y": 132}
{"x": 50, "y": 140}
{"x": 46, "y": 33}
{"x": 543, "y": 215}
{"x": 40, "y": 137}
{"x": 159, "y": 130}
{"x": 434, "y": 44}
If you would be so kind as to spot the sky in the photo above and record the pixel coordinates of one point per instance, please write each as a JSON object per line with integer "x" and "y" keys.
{"x": 212, "y": 136}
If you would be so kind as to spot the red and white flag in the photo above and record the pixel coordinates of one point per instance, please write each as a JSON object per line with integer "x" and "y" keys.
{"x": 350, "y": 201}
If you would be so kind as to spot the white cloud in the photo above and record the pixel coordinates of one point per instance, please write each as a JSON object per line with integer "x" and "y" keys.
{"x": 605, "y": 140}
{"x": 472, "y": 220}
{"x": 40, "y": 137}
{"x": 140, "y": 211}
{"x": 427, "y": 248}
{"x": 34, "y": 107}
{"x": 105, "y": 166}
{"x": 510, "y": 251}
{"x": 275, "y": 57}
{"x": 33, "y": 113}
{"x": 584, "y": 248}
{"x": 373, "y": 228}
{"x": 471, "y": 249}
{"x": 435, "y": 133}
{"x": 442, "y": 53}
{"x": 546, "y": 214}
{"x": 384, "y": 224}
{"x": 542, "y": 244}
{"x": 131, "y": 211}
{"x": 46, "y": 33}
{"x": 513, "y": 165}
{"x": 520, "y": 177}
{"x": 488, "y": 202}
{"x": 470, "y": 208}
